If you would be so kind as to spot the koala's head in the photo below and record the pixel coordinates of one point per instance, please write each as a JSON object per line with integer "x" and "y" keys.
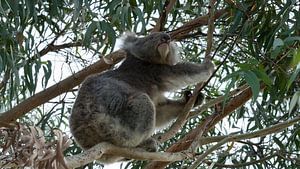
{"x": 155, "y": 48}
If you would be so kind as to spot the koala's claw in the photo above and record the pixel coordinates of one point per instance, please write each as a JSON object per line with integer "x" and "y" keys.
{"x": 188, "y": 94}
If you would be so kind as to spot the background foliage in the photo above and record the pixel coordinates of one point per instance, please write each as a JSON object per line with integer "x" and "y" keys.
{"x": 42, "y": 42}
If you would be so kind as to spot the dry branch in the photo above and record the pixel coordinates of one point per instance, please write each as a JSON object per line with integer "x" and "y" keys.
{"x": 131, "y": 153}
{"x": 51, "y": 47}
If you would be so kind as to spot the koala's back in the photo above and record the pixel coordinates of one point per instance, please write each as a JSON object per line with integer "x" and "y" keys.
{"x": 105, "y": 110}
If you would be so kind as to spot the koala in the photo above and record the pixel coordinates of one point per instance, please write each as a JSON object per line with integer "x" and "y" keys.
{"x": 125, "y": 105}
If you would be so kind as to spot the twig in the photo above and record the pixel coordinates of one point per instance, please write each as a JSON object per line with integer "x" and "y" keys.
{"x": 210, "y": 31}
{"x": 51, "y": 47}
{"x": 198, "y": 110}
{"x": 242, "y": 165}
{"x": 222, "y": 63}
{"x": 163, "y": 16}
{"x": 207, "y": 152}
{"x": 260, "y": 133}
{"x": 236, "y": 137}
{"x": 180, "y": 32}
{"x": 5, "y": 78}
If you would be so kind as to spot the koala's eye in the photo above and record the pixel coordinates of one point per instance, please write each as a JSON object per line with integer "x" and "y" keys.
{"x": 165, "y": 38}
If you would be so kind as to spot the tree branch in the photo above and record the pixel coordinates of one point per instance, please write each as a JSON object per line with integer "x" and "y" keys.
{"x": 132, "y": 153}
{"x": 180, "y": 33}
{"x": 181, "y": 119}
{"x": 244, "y": 164}
{"x": 205, "y": 126}
{"x": 199, "y": 110}
{"x": 57, "y": 89}
{"x": 236, "y": 137}
{"x": 5, "y": 79}
{"x": 164, "y": 15}
{"x": 51, "y": 47}
{"x": 260, "y": 133}
{"x": 207, "y": 152}
{"x": 211, "y": 14}
{"x": 74, "y": 80}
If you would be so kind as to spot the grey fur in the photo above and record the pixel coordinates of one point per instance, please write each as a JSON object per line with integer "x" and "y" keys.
{"x": 124, "y": 106}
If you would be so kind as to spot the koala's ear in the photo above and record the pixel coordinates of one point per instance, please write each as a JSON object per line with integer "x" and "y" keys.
{"x": 129, "y": 37}
{"x": 128, "y": 40}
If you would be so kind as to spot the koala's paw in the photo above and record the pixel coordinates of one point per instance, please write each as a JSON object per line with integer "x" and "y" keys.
{"x": 188, "y": 94}
{"x": 199, "y": 100}
{"x": 150, "y": 145}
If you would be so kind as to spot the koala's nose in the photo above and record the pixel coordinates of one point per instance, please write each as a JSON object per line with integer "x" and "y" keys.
{"x": 166, "y": 38}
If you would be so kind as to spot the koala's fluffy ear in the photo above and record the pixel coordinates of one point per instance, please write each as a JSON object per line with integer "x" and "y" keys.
{"x": 128, "y": 40}
{"x": 129, "y": 37}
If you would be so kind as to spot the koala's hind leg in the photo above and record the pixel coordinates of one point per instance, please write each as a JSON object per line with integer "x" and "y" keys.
{"x": 131, "y": 127}
{"x": 150, "y": 145}
{"x": 139, "y": 118}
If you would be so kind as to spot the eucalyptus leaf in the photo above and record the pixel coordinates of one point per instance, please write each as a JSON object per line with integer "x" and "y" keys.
{"x": 253, "y": 82}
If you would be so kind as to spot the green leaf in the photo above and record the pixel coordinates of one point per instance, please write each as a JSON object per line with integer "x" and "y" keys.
{"x": 88, "y": 34}
{"x": 279, "y": 143}
{"x": 110, "y": 32}
{"x": 277, "y": 42}
{"x": 137, "y": 11}
{"x": 296, "y": 58}
{"x": 47, "y": 71}
{"x": 295, "y": 99}
{"x": 262, "y": 75}
{"x": 293, "y": 77}
{"x": 237, "y": 19}
{"x": 291, "y": 39}
{"x": 77, "y": 6}
{"x": 253, "y": 82}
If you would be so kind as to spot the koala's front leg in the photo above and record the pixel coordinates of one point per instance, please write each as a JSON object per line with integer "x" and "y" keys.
{"x": 183, "y": 74}
{"x": 168, "y": 110}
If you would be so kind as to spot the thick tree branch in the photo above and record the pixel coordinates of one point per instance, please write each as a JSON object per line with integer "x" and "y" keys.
{"x": 57, "y": 89}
